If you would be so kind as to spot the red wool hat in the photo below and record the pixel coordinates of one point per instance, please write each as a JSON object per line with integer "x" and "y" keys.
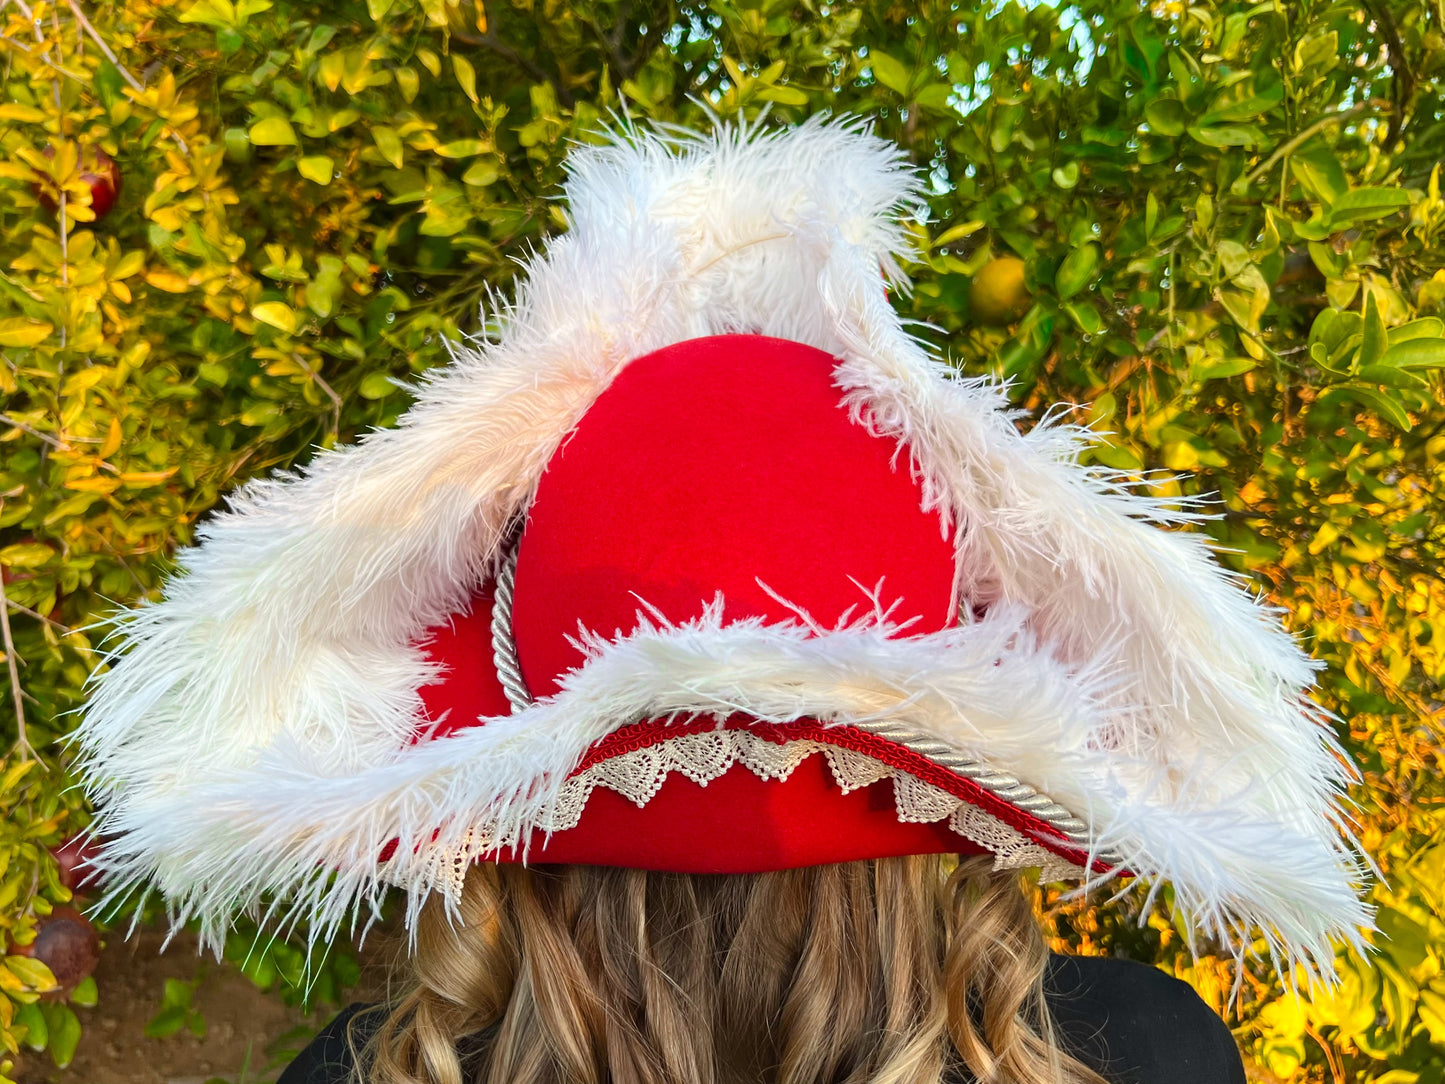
{"x": 701, "y": 563}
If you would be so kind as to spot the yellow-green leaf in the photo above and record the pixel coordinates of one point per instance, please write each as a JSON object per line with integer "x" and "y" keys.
{"x": 32, "y": 973}
{"x": 130, "y": 264}
{"x": 64, "y": 1035}
{"x": 389, "y": 144}
{"x": 273, "y": 132}
{"x": 957, "y": 232}
{"x": 466, "y": 75}
{"x": 461, "y": 148}
{"x": 481, "y": 173}
{"x": 26, "y": 114}
{"x": 276, "y": 313}
{"x": 21, "y": 331}
{"x": 168, "y": 281}
{"x": 26, "y": 555}
{"x": 315, "y": 167}
{"x": 1077, "y": 270}
{"x": 377, "y": 386}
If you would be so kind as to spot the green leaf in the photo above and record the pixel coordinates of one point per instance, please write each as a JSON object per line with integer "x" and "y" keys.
{"x": 166, "y": 1022}
{"x": 273, "y": 132}
{"x": 109, "y": 84}
{"x": 37, "y": 1031}
{"x": 1366, "y": 204}
{"x": 1410, "y": 354}
{"x": 1427, "y": 327}
{"x": 1204, "y": 210}
{"x": 1317, "y": 53}
{"x": 1165, "y": 116}
{"x": 86, "y": 994}
{"x": 323, "y": 293}
{"x": 1390, "y": 376}
{"x": 1066, "y": 176}
{"x": 1233, "y": 257}
{"x": 377, "y": 386}
{"x": 1077, "y": 270}
{"x": 177, "y": 992}
{"x": 1019, "y": 357}
{"x": 1227, "y": 135}
{"x": 1085, "y": 316}
{"x": 1221, "y": 369}
{"x": 892, "y": 73}
{"x": 1382, "y": 404}
{"x": 316, "y": 168}
{"x": 1321, "y": 174}
{"x": 64, "y": 1034}
{"x": 1372, "y": 345}
{"x": 936, "y": 96}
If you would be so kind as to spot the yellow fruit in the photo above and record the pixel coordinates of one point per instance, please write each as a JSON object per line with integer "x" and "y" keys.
{"x": 997, "y": 294}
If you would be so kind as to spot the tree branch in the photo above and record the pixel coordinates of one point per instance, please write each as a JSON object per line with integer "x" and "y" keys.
{"x": 1304, "y": 135}
{"x": 1402, "y": 86}
{"x": 12, "y": 664}
{"x": 492, "y": 43}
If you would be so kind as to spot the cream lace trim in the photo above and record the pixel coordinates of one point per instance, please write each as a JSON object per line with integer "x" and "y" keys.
{"x": 638, "y": 776}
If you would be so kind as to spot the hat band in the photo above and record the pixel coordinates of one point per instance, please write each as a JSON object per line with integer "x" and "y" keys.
{"x": 1002, "y": 786}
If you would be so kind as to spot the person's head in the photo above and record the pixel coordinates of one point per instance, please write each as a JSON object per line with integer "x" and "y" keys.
{"x": 884, "y": 971}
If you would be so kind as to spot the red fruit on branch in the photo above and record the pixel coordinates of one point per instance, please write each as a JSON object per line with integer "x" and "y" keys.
{"x": 75, "y": 857}
{"x": 66, "y": 943}
{"x": 100, "y": 174}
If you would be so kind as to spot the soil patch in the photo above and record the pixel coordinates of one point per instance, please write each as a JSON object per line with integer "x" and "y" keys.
{"x": 250, "y": 1034}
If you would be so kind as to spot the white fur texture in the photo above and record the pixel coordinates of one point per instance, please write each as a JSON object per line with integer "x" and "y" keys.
{"x": 252, "y": 733}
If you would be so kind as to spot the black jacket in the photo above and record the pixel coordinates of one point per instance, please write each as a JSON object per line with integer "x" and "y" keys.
{"x": 1131, "y": 1023}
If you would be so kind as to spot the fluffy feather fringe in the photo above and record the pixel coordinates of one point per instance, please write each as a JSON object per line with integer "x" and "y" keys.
{"x": 278, "y": 677}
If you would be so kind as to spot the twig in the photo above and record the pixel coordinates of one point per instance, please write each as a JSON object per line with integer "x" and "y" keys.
{"x": 26, "y": 50}
{"x": 28, "y": 612}
{"x": 331, "y": 394}
{"x": 489, "y": 40}
{"x": 16, "y": 423}
{"x": 135, "y": 84}
{"x": 1402, "y": 86}
{"x": 104, "y": 48}
{"x": 22, "y": 737}
{"x": 1336, "y": 1072}
{"x": 1303, "y": 136}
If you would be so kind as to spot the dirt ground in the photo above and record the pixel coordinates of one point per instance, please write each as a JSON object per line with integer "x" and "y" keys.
{"x": 250, "y": 1034}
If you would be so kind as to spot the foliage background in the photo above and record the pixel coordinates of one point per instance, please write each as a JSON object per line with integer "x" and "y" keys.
{"x": 1230, "y": 220}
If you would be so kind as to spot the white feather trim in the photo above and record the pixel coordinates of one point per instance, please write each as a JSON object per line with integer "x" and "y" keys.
{"x": 253, "y": 728}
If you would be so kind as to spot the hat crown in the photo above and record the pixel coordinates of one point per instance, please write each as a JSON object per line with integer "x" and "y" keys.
{"x": 723, "y": 466}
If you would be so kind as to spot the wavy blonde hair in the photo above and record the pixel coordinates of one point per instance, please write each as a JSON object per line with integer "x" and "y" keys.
{"x": 885, "y": 972}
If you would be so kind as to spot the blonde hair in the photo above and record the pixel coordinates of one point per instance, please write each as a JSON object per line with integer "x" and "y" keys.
{"x": 884, "y": 972}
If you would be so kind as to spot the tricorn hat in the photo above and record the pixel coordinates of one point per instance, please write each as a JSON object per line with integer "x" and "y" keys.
{"x": 700, "y": 562}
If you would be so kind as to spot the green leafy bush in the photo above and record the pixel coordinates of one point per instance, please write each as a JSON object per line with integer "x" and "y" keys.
{"x": 1228, "y": 217}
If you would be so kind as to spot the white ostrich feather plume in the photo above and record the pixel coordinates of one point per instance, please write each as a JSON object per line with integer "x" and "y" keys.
{"x": 249, "y": 747}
